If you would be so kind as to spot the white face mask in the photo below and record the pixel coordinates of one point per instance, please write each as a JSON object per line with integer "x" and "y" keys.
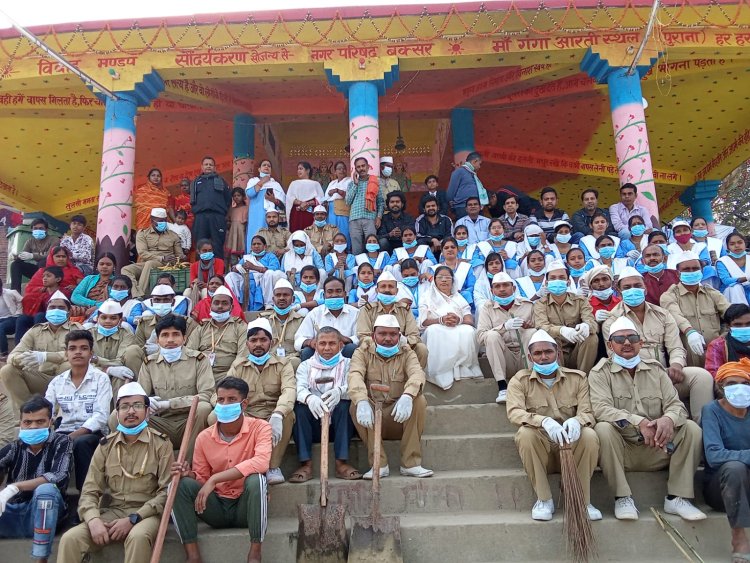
{"x": 387, "y": 171}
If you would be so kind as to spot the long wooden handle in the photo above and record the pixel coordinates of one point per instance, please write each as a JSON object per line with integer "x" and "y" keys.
{"x": 324, "y": 427}
{"x": 376, "y": 461}
{"x": 164, "y": 524}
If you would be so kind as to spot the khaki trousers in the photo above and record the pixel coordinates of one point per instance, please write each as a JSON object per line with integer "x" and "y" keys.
{"x": 580, "y": 356}
{"x": 540, "y": 457}
{"x": 619, "y": 455}
{"x": 22, "y": 384}
{"x": 8, "y": 418}
{"x": 410, "y": 433}
{"x": 133, "y": 359}
{"x": 139, "y": 274}
{"x": 76, "y": 543}
{"x": 505, "y": 363}
{"x": 697, "y": 388}
{"x": 420, "y": 349}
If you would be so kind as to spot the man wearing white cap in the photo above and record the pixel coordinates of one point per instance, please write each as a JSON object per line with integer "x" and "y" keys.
{"x": 37, "y": 358}
{"x": 661, "y": 336}
{"x": 110, "y": 342}
{"x": 386, "y": 171}
{"x": 284, "y": 320}
{"x": 569, "y": 319}
{"x": 321, "y": 232}
{"x": 642, "y": 425}
{"x": 274, "y": 390}
{"x": 132, "y": 466}
{"x": 156, "y": 246}
{"x": 551, "y": 406}
{"x": 276, "y": 236}
{"x": 386, "y": 304}
{"x": 383, "y": 360}
{"x": 220, "y": 337}
{"x": 504, "y": 327}
{"x": 695, "y": 307}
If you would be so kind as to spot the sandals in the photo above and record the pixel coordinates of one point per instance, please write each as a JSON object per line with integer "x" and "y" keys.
{"x": 348, "y": 473}
{"x": 302, "y": 475}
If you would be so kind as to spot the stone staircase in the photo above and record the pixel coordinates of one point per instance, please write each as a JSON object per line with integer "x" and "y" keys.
{"x": 475, "y": 509}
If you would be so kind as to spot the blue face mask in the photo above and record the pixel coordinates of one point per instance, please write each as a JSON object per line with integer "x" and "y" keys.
{"x": 263, "y": 175}
{"x": 490, "y": 276}
{"x": 411, "y": 244}
{"x": 334, "y": 303}
{"x": 738, "y": 255}
{"x": 738, "y": 395}
{"x": 638, "y": 230}
{"x": 133, "y": 431}
{"x": 634, "y": 296}
{"x": 106, "y": 331}
{"x": 372, "y": 247}
{"x": 320, "y": 224}
{"x": 411, "y": 281}
{"x": 39, "y": 234}
{"x": 546, "y": 369}
{"x": 171, "y": 354}
{"x": 161, "y": 309}
{"x": 365, "y": 286}
{"x": 602, "y": 294}
{"x": 564, "y": 239}
{"x": 499, "y": 238}
{"x": 607, "y": 252}
{"x": 220, "y": 317}
{"x": 118, "y": 294}
{"x": 56, "y": 316}
{"x": 462, "y": 243}
{"x": 282, "y": 312}
{"x": 331, "y": 362}
{"x": 628, "y": 364}
{"x": 340, "y": 248}
{"x": 228, "y": 413}
{"x": 206, "y": 256}
{"x": 160, "y": 226}
{"x": 387, "y": 351}
{"x": 691, "y": 278}
{"x": 504, "y": 300}
{"x": 386, "y": 299}
{"x": 300, "y": 249}
{"x": 33, "y": 436}
{"x": 654, "y": 269}
{"x": 577, "y": 272}
{"x": 259, "y": 360}
{"x": 557, "y": 287}
{"x": 308, "y": 287}
{"x": 664, "y": 248}
{"x": 741, "y": 333}
{"x": 700, "y": 233}
{"x": 533, "y": 241}
{"x": 260, "y": 254}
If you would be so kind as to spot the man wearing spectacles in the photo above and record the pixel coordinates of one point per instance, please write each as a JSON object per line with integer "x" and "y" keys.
{"x": 133, "y": 466}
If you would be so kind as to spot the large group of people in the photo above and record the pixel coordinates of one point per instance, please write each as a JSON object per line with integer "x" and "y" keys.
{"x": 602, "y": 332}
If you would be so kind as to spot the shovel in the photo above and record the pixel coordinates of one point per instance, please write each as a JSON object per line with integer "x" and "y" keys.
{"x": 322, "y": 535}
{"x": 376, "y": 537}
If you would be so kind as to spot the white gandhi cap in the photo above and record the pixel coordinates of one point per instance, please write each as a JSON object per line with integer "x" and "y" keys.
{"x": 59, "y": 295}
{"x": 387, "y": 321}
{"x": 260, "y": 322}
{"x": 131, "y": 389}
{"x": 622, "y": 323}
{"x": 222, "y": 290}
{"x": 386, "y": 160}
{"x": 110, "y": 307}
{"x": 541, "y": 336}
{"x": 320, "y": 209}
{"x": 501, "y": 277}
{"x": 686, "y": 256}
{"x": 161, "y": 290}
{"x": 159, "y": 213}
{"x": 283, "y": 284}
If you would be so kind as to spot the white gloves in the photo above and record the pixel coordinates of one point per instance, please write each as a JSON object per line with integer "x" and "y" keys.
{"x": 573, "y": 428}
{"x": 514, "y": 323}
{"x": 121, "y": 372}
{"x": 555, "y": 431}
{"x": 5, "y": 495}
{"x": 402, "y": 410}
{"x": 277, "y": 424}
{"x": 601, "y": 315}
{"x": 25, "y": 255}
{"x": 543, "y": 291}
{"x": 151, "y": 348}
{"x": 32, "y": 359}
{"x": 316, "y": 405}
{"x": 332, "y": 398}
{"x": 697, "y": 343}
{"x": 156, "y": 405}
{"x": 584, "y": 330}
{"x": 633, "y": 255}
{"x": 365, "y": 416}
{"x": 570, "y": 334}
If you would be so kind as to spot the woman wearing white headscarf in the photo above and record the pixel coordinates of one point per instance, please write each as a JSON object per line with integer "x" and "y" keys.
{"x": 260, "y": 191}
{"x": 300, "y": 253}
{"x": 445, "y": 317}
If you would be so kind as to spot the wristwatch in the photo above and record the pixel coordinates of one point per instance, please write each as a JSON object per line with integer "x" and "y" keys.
{"x": 135, "y": 518}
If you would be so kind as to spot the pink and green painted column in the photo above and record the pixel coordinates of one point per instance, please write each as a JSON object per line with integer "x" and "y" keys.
{"x": 462, "y": 134}
{"x": 243, "y": 165}
{"x": 118, "y": 165}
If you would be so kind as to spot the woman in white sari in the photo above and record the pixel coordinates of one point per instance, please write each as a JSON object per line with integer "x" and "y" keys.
{"x": 300, "y": 253}
{"x": 445, "y": 317}
{"x": 734, "y": 270}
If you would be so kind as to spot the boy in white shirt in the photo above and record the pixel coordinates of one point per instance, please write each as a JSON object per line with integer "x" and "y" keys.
{"x": 182, "y": 230}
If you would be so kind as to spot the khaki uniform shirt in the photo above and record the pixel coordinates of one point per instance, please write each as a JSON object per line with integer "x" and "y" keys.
{"x": 369, "y": 312}
{"x": 284, "y": 331}
{"x": 702, "y": 311}
{"x": 147, "y": 327}
{"x": 402, "y": 372}
{"x": 41, "y": 338}
{"x": 550, "y": 316}
{"x": 274, "y": 388}
{"x": 492, "y": 317}
{"x": 658, "y": 331}
{"x": 109, "y": 350}
{"x": 152, "y": 245}
{"x": 617, "y": 396}
{"x": 179, "y": 381}
{"x": 322, "y": 238}
{"x": 388, "y": 185}
{"x": 134, "y": 475}
{"x": 226, "y": 343}
{"x": 276, "y": 239}
{"x": 530, "y": 401}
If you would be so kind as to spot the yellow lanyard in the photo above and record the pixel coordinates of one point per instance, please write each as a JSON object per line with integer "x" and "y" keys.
{"x": 124, "y": 471}
{"x": 215, "y": 344}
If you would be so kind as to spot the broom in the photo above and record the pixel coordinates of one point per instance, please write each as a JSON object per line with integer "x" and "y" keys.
{"x": 579, "y": 536}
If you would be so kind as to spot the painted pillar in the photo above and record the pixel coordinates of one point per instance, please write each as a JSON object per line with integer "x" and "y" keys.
{"x": 364, "y": 131}
{"x": 243, "y": 167}
{"x": 699, "y": 197}
{"x": 462, "y": 133}
{"x": 116, "y": 185}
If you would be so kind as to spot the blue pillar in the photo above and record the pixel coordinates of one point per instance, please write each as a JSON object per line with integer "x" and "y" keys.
{"x": 243, "y": 149}
{"x": 462, "y": 132}
{"x": 699, "y": 197}
{"x": 364, "y": 130}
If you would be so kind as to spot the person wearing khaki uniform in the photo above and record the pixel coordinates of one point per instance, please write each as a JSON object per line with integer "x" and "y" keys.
{"x": 273, "y": 390}
{"x": 7, "y": 419}
{"x": 695, "y": 307}
{"x": 569, "y": 319}
{"x": 134, "y": 470}
{"x": 156, "y": 246}
{"x": 276, "y": 237}
{"x": 551, "y": 406}
{"x": 661, "y": 341}
{"x": 109, "y": 352}
{"x": 381, "y": 359}
{"x": 284, "y": 321}
{"x": 321, "y": 237}
{"x": 504, "y": 327}
{"x": 642, "y": 424}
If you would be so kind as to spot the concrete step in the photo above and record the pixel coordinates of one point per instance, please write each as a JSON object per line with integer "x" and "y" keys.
{"x": 464, "y": 392}
{"x": 444, "y": 420}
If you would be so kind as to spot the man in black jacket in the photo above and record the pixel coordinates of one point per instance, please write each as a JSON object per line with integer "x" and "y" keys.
{"x": 581, "y": 219}
{"x": 432, "y": 227}
{"x": 434, "y": 190}
{"x": 210, "y": 198}
{"x": 393, "y": 221}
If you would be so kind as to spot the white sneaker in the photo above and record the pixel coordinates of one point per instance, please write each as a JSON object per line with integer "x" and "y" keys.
{"x": 543, "y": 510}
{"x": 274, "y": 476}
{"x": 384, "y": 472}
{"x": 625, "y": 509}
{"x": 416, "y": 471}
{"x": 594, "y": 513}
{"x": 501, "y": 395}
{"x": 683, "y": 508}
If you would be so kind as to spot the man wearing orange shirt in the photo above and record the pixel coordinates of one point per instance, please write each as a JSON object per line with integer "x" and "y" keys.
{"x": 226, "y": 487}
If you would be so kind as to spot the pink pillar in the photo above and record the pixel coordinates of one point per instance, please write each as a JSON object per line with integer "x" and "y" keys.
{"x": 364, "y": 131}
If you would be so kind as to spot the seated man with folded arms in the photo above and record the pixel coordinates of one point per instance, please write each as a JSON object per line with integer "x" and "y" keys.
{"x": 131, "y": 466}
{"x": 313, "y": 399}
{"x": 226, "y": 487}
{"x": 110, "y": 342}
{"x": 642, "y": 435}
{"x": 285, "y": 320}
{"x": 36, "y": 469}
{"x": 551, "y": 406}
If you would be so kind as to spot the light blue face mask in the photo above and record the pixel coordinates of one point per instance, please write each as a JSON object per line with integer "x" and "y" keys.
{"x": 118, "y": 294}
{"x": 628, "y": 364}
{"x": 106, "y": 331}
{"x": 33, "y": 436}
{"x": 738, "y": 255}
{"x": 505, "y": 301}
{"x": 161, "y": 226}
{"x": 654, "y": 269}
{"x": 700, "y": 233}
{"x": 411, "y": 281}
{"x": 462, "y": 242}
{"x": 263, "y": 175}
{"x": 259, "y": 360}
{"x": 260, "y": 254}
{"x": 334, "y": 303}
{"x": 499, "y": 238}
{"x": 365, "y": 286}
{"x": 563, "y": 239}
{"x": 387, "y": 351}
{"x": 220, "y": 317}
{"x": 161, "y": 309}
{"x": 386, "y": 299}
{"x": 308, "y": 287}
{"x": 637, "y": 230}
{"x": 691, "y": 278}
{"x": 741, "y": 333}
{"x": 320, "y": 224}
{"x": 331, "y": 362}
{"x": 577, "y": 272}
{"x": 39, "y": 234}
{"x": 557, "y": 287}
{"x": 372, "y": 247}
{"x": 490, "y": 276}
{"x": 340, "y": 248}
{"x": 546, "y": 369}
{"x": 533, "y": 241}
{"x": 602, "y": 294}
{"x": 664, "y": 248}
{"x": 282, "y": 312}
{"x": 411, "y": 244}
{"x": 634, "y": 296}
{"x": 171, "y": 355}
{"x": 228, "y": 413}
{"x": 738, "y": 395}
{"x": 56, "y": 316}
{"x": 300, "y": 249}
{"x": 206, "y": 256}
{"x": 132, "y": 431}
{"x": 607, "y": 252}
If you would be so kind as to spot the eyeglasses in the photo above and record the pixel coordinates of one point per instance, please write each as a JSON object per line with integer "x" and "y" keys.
{"x": 137, "y": 407}
{"x": 632, "y": 338}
